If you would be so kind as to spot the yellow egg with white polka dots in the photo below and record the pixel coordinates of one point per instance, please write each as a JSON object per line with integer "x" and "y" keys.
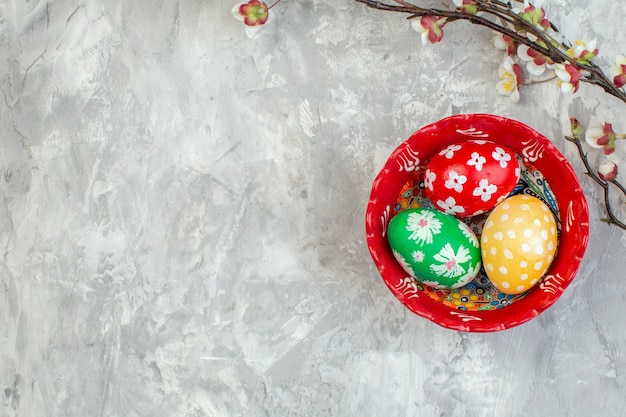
{"x": 518, "y": 243}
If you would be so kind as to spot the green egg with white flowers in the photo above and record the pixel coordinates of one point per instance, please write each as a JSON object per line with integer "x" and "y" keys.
{"x": 435, "y": 248}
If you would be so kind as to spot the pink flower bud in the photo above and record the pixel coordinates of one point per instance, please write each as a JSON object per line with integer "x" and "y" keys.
{"x": 577, "y": 128}
{"x": 607, "y": 171}
{"x": 431, "y": 28}
{"x": 619, "y": 80}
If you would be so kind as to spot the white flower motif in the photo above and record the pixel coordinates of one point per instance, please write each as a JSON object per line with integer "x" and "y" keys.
{"x": 418, "y": 256}
{"x": 484, "y": 190}
{"x": 423, "y": 226}
{"x": 449, "y": 266}
{"x": 449, "y": 206}
{"x": 455, "y": 181}
{"x": 467, "y": 232}
{"x": 471, "y": 274}
{"x": 501, "y": 156}
{"x": 403, "y": 263}
{"x": 449, "y": 151}
{"x": 429, "y": 178}
{"x": 477, "y": 161}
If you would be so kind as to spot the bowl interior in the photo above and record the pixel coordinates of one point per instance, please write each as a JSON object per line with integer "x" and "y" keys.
{"x": 478, "y": 306}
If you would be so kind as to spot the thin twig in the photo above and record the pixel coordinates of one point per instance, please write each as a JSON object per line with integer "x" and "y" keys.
{"x": 604, "y": 184}
{"x": 275, "y": 3}
{"x": 548, "y": 46}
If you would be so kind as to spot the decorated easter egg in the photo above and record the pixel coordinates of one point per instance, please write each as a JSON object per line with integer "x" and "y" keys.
{"x": 433, "y": 247}
{"x": 470, "y": 177}
{"x": 518, "y": 243}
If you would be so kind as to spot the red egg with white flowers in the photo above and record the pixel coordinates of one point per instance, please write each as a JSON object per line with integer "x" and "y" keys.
{"x": 471, "y": 177}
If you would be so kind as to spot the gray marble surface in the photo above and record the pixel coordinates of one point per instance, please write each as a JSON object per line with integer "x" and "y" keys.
{"x": 182, "y": 217}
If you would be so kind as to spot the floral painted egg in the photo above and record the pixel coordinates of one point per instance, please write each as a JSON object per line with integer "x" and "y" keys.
{"x": 471, "y": 177}
{"x": 518, "y": 243}
{"x": 433, "y": 247}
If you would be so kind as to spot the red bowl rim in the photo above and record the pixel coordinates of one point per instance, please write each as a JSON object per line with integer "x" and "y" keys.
{"x": 534, "y": 148}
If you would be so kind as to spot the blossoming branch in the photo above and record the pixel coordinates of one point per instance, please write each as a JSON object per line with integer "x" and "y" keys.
{"x": 526, "y": 34}
{"x": 535, "y": 51}
{"x": 525, "y": 31}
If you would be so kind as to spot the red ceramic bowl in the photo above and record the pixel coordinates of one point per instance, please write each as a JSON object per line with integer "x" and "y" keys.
{"x": 545, "y": 163}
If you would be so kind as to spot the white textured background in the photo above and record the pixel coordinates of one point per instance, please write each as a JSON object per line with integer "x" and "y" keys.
{"x": 182, "y": 217}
